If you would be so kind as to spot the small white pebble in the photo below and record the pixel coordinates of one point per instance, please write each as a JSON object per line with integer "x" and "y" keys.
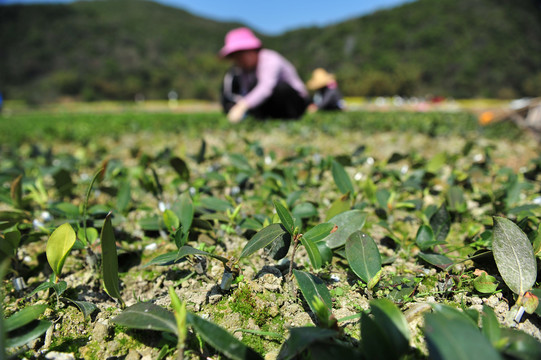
{"x": 151, "y": 247}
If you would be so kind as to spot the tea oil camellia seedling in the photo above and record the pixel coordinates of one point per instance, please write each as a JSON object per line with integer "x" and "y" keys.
{"x": 179, "y": 236}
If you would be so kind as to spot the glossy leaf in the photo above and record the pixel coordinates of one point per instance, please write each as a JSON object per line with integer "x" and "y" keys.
{"x": 341, "y": 178}
{"x": 9, "y": 243}
{"x": 263, "y": 238}
{"x": 440, "y": 223}
{"x": 450, "y": 336}
{"x": 520, "y": 345}
{"x": 313, "y": 287}
{"x": 285, "y": 217}
{"x": 171, "y": 221}
{"x": 188, "y": 250}
{"x": 169, "y": 258}
{"x": 300, "y": 338}
{"x": 319, "y": 232}
{"x": 58, "y": 247}
{"x": 490, "y": 325}
{"x": 313, "y": 252}
{"x": 215, "y": 204}
{"x": 347, "y": 223}
{"x": 393, "y": 324}
{"x": 180, "y": 167}
{"x": 186, "y": 211}
{"x": 485, "y": 283}
{"x": 338, "y": 206}
{"x": 145, "y": 315}
{"x": 179, "y": 309}
{"x": 425, "y": 238}
{"x": 279, "y": 248}
{"x": 221, "y": 340}
{"x": 375, "y": 344}
{"x": 304, "y": 210}
{"x": 109, "y": 264}
{"x": 38, "y": 328}
{"x": 363, "y": 256}
{"x": 23, "y": 317}
{"x": 438, "y": 260}
{"x": 90, "y": 236}
{"x": 514, "y": 256}
{"x": 123, "y": 197}
{"x": 87, "y": 308}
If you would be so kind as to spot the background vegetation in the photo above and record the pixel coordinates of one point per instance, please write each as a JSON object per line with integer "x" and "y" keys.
{"x": 116, "y": 49}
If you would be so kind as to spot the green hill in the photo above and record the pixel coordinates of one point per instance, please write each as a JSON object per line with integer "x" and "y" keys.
{"x": 118, "y": 48}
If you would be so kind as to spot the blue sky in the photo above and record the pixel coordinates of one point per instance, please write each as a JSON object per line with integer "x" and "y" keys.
{"x": 273, "y": 16}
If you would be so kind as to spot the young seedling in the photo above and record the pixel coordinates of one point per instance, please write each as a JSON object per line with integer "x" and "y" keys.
{"x": 516, "y": 262}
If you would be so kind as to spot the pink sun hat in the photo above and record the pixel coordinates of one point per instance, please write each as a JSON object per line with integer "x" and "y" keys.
{"x": 239, "y": 39}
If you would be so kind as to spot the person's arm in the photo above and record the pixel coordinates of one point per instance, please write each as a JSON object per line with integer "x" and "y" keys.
{"x": 268, "y": 71}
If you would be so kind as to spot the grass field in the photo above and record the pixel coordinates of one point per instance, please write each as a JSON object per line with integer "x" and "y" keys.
{"x": 418, "y": 192}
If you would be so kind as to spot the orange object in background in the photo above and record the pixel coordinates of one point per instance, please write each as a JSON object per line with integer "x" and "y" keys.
{"x": 486, "y": 117}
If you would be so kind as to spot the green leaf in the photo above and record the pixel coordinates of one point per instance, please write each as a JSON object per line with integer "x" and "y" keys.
{"x": 215, "y": 204}
{"x": 319, "y": 232}
{"x": 147, "y": 316}
{"x": 514, "y": 256}
{"x": 347, "y": 222}
{"x": 10, "y": 242}
{"x": 220, "y": 339}
{"x": 490, "y": 325}
{"x": 169, "y": 258}
{"x": 91, "y": 235}
{"x": 440, "y": 223}
{"x": 188, "y": 250}
{"x": 485, "y": 283}
{"x": 436, "y": 162}
{"x": 425, "y": 237}
{"x": 180, "y": 167}
{"x": 313, "y": 252}
{"x": 438, "y": 260}
{"x": 341, "y": 178}
{"x": 300, "y": 338}
{"x": 171, "y": 221}
{"x": 123, "y": 197}
{"x": 393, "y": 324}
{"x": 58, "y": 247}
{"x": 23, "y": 317}
{"x": 263, "y": 238}
{"x": 109, "y": 264}
{"x": 38, "y": 328}
{"x": 338, "y": 206}
{"x": 363, "y": 256}
{"x": 186, "y": 211}
{"x": 304, "y": 210}
{"x": 41, "y": 287}
{"x": 285, "y": 217}
{"x": 520, "y": 345}
{"x": 451, "y": 336}
{"x": 179, "y": 309}
{"x": 375, "y": 344}
{"x": 87, "y": 308}
{"x": 455, "y": 199}
{"x": 313, "y": 287}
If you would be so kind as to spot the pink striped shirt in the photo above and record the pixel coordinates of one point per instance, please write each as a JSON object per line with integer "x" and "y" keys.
{"x": 271, "y": 68}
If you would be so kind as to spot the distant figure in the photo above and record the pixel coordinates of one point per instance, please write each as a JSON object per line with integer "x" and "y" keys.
{"x": 262, "y": 83}
{"x": 1, "y": 102}
{"x": 327, "y": 96}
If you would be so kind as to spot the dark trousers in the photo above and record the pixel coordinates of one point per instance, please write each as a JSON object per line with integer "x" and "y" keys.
{"x": 284, "y": 102}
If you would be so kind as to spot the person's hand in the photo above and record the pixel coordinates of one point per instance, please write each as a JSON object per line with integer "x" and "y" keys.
{"x": 312, "y": 108}
{"x": 236, "y": 113}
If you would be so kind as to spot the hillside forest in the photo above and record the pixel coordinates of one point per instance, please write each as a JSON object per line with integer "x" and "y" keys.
{"x": 120, "y": 49}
